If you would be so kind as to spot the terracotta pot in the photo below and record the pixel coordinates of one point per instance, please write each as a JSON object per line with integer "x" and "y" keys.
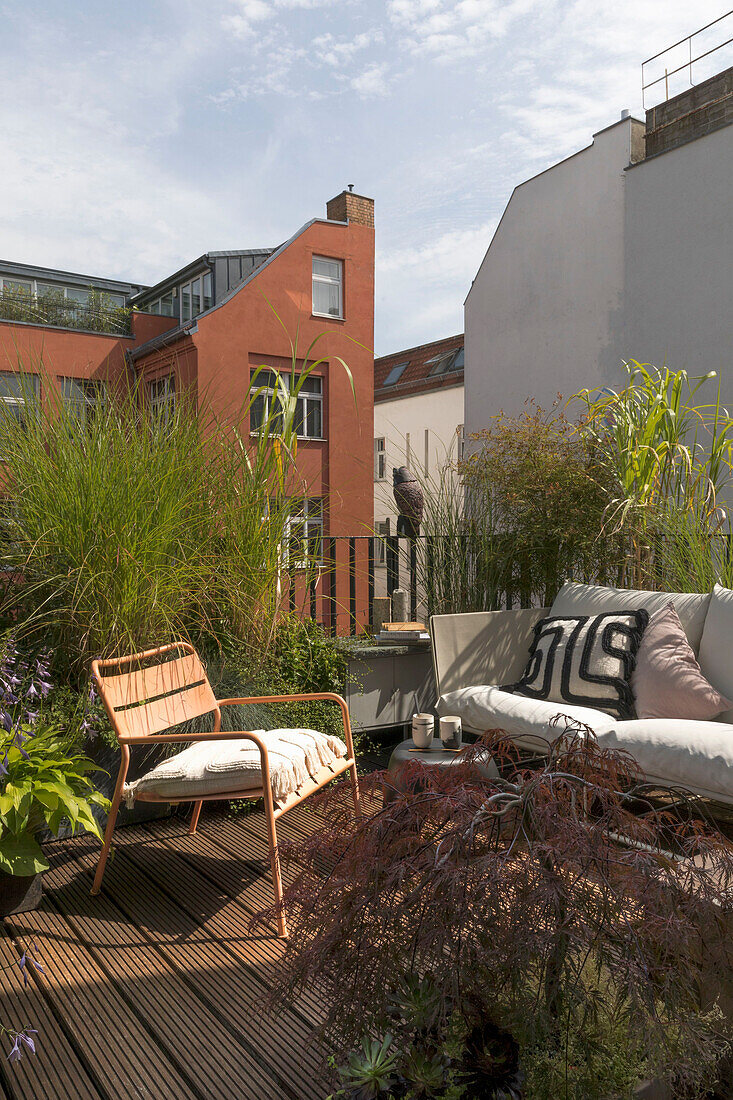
{"x": 19, "y": 893}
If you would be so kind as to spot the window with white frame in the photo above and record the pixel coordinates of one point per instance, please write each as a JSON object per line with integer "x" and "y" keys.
{"x": 162, "y": 401}
{"x": 305, "y": 534}
{"x": 380, "y": 459}
{"x": 195, "y": 296}
{"x": 82, "y": 397}
{"x": 327, "y": 287}
{"x": 308, "y": 417}
{"x": 380, "y": 549}
{"x": 15, "y": 390}
{"x": 73, "y": 294}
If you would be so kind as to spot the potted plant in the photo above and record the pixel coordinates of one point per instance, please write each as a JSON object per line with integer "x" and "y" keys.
{"x": 549, "y": 933}
{"x": 44, "y": 782}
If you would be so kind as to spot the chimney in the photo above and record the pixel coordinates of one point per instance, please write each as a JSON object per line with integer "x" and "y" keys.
{"x": 348, "y": 207}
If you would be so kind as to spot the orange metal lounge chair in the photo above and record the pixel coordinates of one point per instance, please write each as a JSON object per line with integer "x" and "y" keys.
{"x": 147, "y": 693}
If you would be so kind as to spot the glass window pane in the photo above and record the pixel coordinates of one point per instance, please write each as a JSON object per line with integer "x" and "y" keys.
{"x": 48, "y": 288}
{"x": 154, "y": 307}
{"x": 299, "y": 419}
{"x": 313, "y": 425}
{"x": 258, "y": 413}
{"x": 195, "y": 297}
{"x": 166, "y": 304}
{"x": 186, "y": 303}
{"x": 77, "y": 294}
{"x": 326, "y": 298}
{"x": 116, "y": 300}
{"x": 207, "y": 291}
{"x": 312, "y": 384}
{"x": 330, "y": 268}
{"x": 21, "y": 286}
{"x": 14, "y": 384}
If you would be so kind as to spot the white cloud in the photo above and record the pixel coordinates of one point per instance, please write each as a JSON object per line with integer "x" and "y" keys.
{"x": 372, "y": 83}
{"x": 337, "y": 52}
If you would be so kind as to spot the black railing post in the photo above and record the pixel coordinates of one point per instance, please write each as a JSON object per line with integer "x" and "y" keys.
{"x": 352, "y": 585}
{"x": 332, "y": 585}
{"x": 393, "y": 563}
{"x": 413, "y": 579}
{"x": 291, "y": 594}
{"x": 312, "y": 590}
{"x": 370, "y": 578}
{"x": 429, "y": 575}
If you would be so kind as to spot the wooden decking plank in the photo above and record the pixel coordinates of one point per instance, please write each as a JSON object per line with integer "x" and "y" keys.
{"x": 118, "y": 1048}
{"x": 185, "y": 979}
{"x": 231, "y": 991}
{"x": 55, "y": 1070}
{"x": 215, "y": 914}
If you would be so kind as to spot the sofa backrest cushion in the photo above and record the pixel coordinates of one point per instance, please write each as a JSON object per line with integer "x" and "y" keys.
{"x": 667, "y": 681}
{"x": 596, "y": 599}
{"x": 585, "y": 661}
{"x": 716, "y": 647}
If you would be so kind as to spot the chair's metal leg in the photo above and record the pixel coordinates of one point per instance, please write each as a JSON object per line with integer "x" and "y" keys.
{"x": 195, "y": 817}
{"x": 277, "y": 882}
{"x": 111, "y": 820}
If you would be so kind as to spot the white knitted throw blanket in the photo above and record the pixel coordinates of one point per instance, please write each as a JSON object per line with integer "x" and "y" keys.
{"x": 211, "y": 767}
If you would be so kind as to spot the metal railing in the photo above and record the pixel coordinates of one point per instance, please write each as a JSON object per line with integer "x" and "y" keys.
{"x": 64, "y": 313}
{"x": 689, "y": 59}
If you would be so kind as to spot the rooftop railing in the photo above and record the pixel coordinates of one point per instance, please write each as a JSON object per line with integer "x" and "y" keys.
{"x": 59, "y": 312}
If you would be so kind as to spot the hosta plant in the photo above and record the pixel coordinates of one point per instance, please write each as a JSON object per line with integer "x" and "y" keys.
{"x": 44, "y": 781}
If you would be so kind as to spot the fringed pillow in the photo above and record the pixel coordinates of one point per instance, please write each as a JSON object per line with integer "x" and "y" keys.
{"x": 586, "y": 661}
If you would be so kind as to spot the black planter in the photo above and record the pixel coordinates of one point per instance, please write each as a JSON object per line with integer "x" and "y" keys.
{"x": 19, "y": 893}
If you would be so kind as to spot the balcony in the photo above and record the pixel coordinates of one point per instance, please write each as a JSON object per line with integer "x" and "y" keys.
{"x": 97, "y": 314}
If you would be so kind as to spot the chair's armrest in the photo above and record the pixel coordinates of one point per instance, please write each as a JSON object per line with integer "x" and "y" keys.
{"x": 307, "y": 697}
{"x": 482, "y": 647}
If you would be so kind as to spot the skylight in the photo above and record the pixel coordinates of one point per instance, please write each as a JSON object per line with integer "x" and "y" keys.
{"x": 447, "y": 362}
{"x": 394, "y": 375}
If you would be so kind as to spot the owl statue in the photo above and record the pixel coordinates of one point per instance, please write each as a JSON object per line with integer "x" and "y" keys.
{"x": 408, "y": 495}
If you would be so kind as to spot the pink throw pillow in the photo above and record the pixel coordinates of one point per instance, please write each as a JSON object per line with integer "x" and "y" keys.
{"x": 667, "y": 681}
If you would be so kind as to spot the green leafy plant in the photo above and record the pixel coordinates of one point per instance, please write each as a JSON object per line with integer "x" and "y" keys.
{"x": 45, "y": 782}
{"x": 370, "y": 1072}
{"x": 666, "y": 456}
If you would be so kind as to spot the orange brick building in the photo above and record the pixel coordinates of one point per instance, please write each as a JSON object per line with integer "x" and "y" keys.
{"x": 207, "y": 328}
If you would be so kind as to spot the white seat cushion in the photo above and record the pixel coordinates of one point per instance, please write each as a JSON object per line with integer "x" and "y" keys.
{"x": 597, "y": 599}
{"x": 527, "y": 721}
{"x": 216, "y": 767}
{"x": 695, "y": 755}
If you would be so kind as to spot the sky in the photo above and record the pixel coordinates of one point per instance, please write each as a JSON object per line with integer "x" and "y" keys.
{"x": 136, "y": 136}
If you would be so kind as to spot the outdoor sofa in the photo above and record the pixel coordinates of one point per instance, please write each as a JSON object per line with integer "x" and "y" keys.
{"x": 477, "y": 655}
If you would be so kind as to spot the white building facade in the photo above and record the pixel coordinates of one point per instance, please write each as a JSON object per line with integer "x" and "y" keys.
{"x": 616, "y": 253}
{"x": 418, "y": 422}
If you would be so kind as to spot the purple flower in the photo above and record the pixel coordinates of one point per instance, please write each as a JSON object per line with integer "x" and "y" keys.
{"x": 6, "y": 721}
{"x": 4, "y": 765}
{"x": 22, "y": 1038}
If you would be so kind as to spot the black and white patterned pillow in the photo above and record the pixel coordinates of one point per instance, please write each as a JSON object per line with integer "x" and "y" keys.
{"x": 586, "y": 661}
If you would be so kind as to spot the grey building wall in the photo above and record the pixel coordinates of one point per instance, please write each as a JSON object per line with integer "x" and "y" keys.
{"x": 599, "y": 260}
{"x": 679, "y": 258}
{"x": 544, "y": 313}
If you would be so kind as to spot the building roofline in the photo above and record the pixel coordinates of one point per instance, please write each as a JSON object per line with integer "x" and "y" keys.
{"x": 418, "y": 347}
{"x": 34, "y": 270}
{"x": 193, "y": 267}
{"x": 172, "y": 335}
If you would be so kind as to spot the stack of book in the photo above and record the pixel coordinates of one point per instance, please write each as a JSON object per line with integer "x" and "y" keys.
{"x": 403, "y": 633}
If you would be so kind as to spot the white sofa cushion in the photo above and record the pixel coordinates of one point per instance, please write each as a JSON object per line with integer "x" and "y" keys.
{"x": 527, "y": 721}
{"x": 595, "y": 599}
{"x": 585, "y": 661}
{"x": 716, "y": 647}
{"x": 217, "y": 767}
{"x": 695, "y": 755}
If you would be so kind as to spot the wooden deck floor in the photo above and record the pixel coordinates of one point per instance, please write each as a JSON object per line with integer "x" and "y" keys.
{"x": 153, "y": 989}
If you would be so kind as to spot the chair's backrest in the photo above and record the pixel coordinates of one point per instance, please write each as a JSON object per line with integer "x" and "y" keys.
{"x": 146, "y": 693}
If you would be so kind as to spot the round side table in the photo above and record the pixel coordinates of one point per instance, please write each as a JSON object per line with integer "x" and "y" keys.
{"x": 433, "y": 757}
